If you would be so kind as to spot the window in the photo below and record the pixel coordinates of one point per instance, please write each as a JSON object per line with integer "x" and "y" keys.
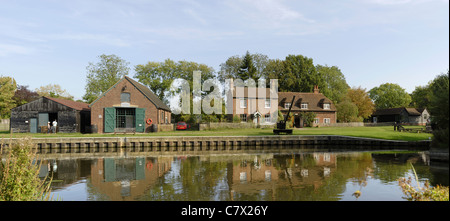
{"x": 267, "y": 103}
{"x": 287, "y": 105}
{"x": 125, "y": 97}
{"x": 326, "y": 106}
{"x": 125, "y": 117}
{"x": 243, "y": 102}
{"x": 244, "y": 117}
{"x": 267, "y": 117}
{"x": 304, "y": 106}
{"x": 326, "y": 120}
{"x": 316, "y": 120}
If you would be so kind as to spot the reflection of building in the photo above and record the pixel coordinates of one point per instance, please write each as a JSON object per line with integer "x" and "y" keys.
{"x": 269, "y": 173}
{"x": 127, "y": 178}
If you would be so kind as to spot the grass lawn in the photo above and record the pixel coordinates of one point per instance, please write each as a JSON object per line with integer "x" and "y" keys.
{"x": 386, "y": 132}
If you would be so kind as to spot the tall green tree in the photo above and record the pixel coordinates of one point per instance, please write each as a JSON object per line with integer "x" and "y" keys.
{"x": 335, "y": 87}
{"x": 249, "y": 66}
{"x": 7, "y": 89}
{"x": 300, "y": 74}
{"x": 389, "y": 95}
{"x": 421, "y": 96}
{"x": 439, "y": 110}
{"x": 247, "y": 69}
{"x": 103, "y": 75}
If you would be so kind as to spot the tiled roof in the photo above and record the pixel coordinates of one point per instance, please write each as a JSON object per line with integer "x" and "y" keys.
{"x": 315, "y": 101}
{"x": 72, "y": 104}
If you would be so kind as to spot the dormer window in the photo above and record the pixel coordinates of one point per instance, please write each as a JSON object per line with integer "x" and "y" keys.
{"x": 326, "y": 106}
{"x": 287, "y": 105}
{"x": 304, "y": 106}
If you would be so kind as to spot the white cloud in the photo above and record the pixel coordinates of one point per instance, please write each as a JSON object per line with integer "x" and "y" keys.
{"x": 7, "y": 49}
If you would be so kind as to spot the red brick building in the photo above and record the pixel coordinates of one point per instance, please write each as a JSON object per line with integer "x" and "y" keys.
{"x": 314, "y": 102}
{"x": 128, "y": 106}
{"x": 247, "y": 106}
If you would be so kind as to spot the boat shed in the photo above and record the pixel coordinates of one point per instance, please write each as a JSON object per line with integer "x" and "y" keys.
{"x": 33, "y": 117}
{"x": 128, "y": 106}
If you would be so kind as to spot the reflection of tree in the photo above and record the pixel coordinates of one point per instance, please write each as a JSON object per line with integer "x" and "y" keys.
{"x": 195, "y": 180}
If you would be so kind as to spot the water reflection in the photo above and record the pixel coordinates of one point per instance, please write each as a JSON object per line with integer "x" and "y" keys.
{"x": 298, "y": 176}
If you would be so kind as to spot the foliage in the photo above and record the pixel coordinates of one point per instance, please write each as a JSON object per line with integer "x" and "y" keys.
{"x": 389, "y": 95}
{"x": 236, "y": 119}
{"x": 335, "y": 86}
{"x": 421, "y": 96}
{"x": 361, "y": 99}
{"x": 103, "y": 75}
{"x": 236, "y": 65}
{"x": 7, "y": 90}
{"x": 247, "y": 69}
{"x": 347, "y": 112}
{"x": 308, "y": 118}
{"x": 439, "y": 109}
{"x": 23, "y": 95}
{"x": 301, "y": 73}
{"x": 158, "y": 76}
{"x": 53, "y": 90}
{"x": 425, "y": 193}
{"x": 19, "y": 175}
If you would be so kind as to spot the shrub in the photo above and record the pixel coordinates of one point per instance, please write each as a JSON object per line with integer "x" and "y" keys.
{"x": 19, "y": 180}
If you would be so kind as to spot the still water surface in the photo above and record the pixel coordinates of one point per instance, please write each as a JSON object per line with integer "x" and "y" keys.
{"x": 295, "y": 176}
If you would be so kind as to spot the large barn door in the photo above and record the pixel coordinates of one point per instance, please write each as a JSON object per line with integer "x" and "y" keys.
{"x": 140, "y": 120}
{"x": 110, "y": 119}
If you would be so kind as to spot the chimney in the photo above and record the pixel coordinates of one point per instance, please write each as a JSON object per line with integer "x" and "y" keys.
{"x": 316, "y": 89}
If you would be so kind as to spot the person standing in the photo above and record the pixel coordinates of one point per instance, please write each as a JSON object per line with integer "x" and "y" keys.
{"x": 55, "y": 124}
{"x": 48, "y": 127}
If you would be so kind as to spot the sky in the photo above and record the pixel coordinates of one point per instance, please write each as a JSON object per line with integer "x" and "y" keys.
{"x": 371, "y": 41}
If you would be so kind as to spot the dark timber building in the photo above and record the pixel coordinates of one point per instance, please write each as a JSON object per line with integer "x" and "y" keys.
{"x": 33, "y": 117}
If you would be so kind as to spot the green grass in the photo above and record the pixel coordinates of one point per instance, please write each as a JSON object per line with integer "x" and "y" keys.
{"x": 387, "y": 133}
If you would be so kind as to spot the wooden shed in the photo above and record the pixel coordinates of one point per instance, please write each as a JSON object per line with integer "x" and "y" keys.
{"x": 128, "y": 106}
{"x": 32, "y": 117}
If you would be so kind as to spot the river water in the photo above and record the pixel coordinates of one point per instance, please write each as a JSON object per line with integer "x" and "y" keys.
{"x": 295, "y": 175}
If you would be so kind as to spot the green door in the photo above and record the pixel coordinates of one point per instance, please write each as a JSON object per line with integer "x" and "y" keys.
{"x": 110, "y": 119}
{"x": 140, "y": 120}
{"x": 33, "y": 125}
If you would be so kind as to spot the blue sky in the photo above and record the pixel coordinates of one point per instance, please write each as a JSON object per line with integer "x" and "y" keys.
{"x": 371, "y": 41}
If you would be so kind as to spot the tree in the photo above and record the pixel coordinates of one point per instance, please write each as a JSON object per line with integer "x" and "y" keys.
{"x": 361, "y": 99}
{"x": 252, "y": 65}
{"x": 421, "y": 96}
{"x": 7, "y": 89}
{"x": 308, "y": 118}
{"x": 347, "y": 111}
{"x": 439, "y": 110}
{"x": 23, "y": 95}
{"x": 247, "y": 69}
{"x": 389, "y": 95}
{"x": 335, "y": 87}
{"x": 103, "y": 75}
{"x": 300, "y": 75}
{"x": 53, "y": 90}
{"x": 157, "y": 76}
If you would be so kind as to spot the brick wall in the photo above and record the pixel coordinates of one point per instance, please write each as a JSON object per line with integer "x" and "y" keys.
{"x": 137, "y": 99}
